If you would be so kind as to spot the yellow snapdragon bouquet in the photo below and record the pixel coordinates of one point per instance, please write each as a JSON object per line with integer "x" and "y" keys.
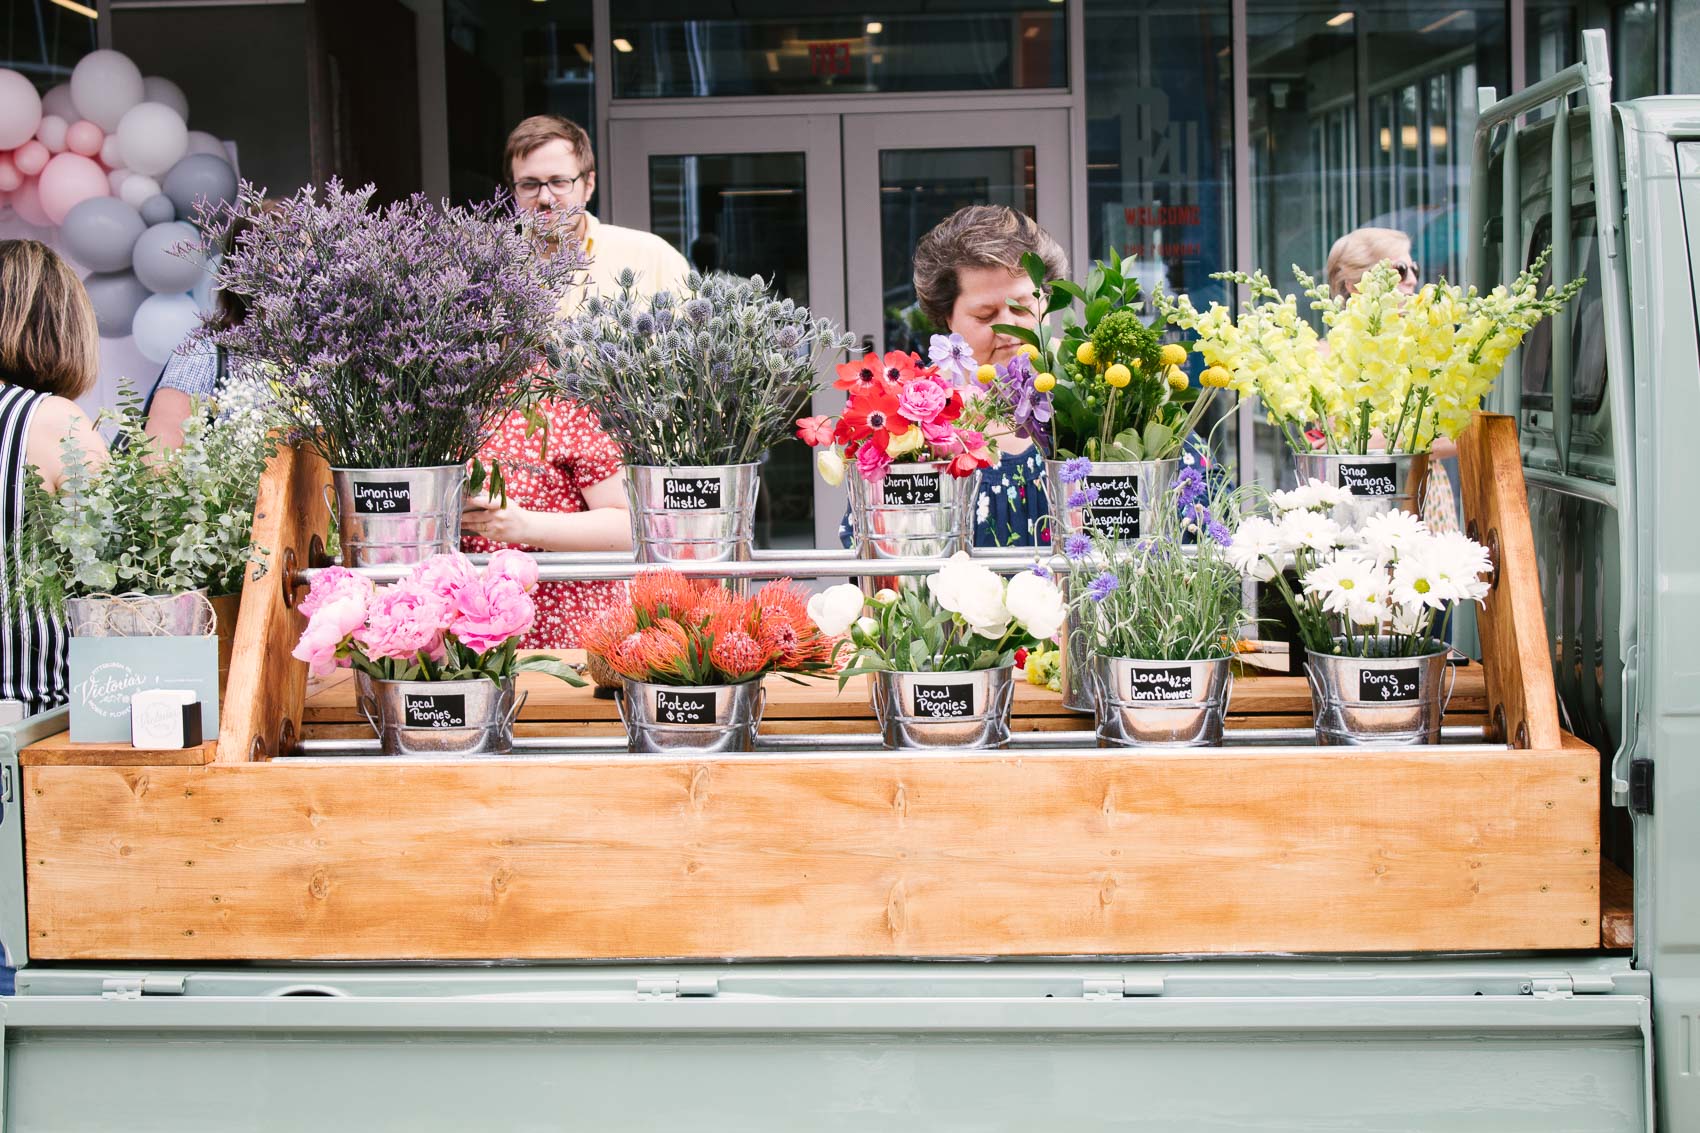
{"x": 1404, "y": 368}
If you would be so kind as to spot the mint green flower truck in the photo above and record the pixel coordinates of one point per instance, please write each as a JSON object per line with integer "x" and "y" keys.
{"x": 1500, "y": 932}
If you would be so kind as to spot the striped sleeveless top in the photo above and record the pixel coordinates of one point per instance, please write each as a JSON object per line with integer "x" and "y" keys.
{"x": 34, "y": 644}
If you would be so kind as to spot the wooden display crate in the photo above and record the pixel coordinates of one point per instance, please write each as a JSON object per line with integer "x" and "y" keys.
{"x": 238, "y": 856}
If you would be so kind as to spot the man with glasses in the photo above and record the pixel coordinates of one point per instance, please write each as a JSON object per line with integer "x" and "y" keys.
{"x": 552, "y": 169}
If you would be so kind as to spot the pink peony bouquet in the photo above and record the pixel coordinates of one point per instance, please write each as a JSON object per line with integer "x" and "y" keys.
{"x": 447, "y": 621}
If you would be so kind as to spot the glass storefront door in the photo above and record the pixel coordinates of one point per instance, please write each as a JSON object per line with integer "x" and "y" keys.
{"x": 829, "y": 207}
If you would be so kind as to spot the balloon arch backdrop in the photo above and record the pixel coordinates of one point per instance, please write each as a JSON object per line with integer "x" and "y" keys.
{"x": 109, "y": 160}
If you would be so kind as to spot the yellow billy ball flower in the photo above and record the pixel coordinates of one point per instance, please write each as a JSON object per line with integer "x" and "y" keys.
{"x": 1176, "y": 378}
{"x": 1172, "y": 354}
{"x": 1030, "y": 350}
{"x": 1216, "y": 377}
{"x": 1118, "y": 376}
{"x": 1086, "y": 356}
{"x": 986, "y": 375}
{"x": 1045, "y": 383}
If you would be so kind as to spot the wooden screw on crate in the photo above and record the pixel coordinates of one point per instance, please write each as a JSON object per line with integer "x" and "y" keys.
{"x": 1516, "y": 655}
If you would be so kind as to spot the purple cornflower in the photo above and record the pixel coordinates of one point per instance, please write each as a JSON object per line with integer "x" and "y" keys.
{"x": 1101, "y": 587}
{"x": 1075, "y": 470}
{"x": 1084, "y": 497}
{"x": 1041, "y": 569}
{"x": 1077, "y": 546}
{"x": 955, "y": 361}
{"x": 1190, "y": 481}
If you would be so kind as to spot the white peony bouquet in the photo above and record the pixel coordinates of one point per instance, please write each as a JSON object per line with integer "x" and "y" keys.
{"x": 967, "y": 618}
{"x": 1385, "y": 588}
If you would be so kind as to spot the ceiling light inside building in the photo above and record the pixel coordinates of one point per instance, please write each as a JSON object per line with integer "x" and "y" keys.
{"x": 80, "y": 9}
{"x": 875, "y": 27}
{"x": 585, "y": 53}
{"x": 1032, "y": 32}
{"x": 1443, "y": 21}
{"x": 1342, "y": 18}
{"x": 773, "y": 61}
{"x": 622, "y": 45}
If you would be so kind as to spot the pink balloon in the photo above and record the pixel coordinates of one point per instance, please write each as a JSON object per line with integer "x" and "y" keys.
{"x": 10, "y": 178}
{"x": 85, "y": 138}
{"x": 26, "y": 202}
{"x": 31, "y": 158}
{"x": 51, "y": 132}
{"x": 68, "y": 181}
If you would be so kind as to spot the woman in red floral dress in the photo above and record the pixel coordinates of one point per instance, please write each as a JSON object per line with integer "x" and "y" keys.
{"x": 570, "y": 498}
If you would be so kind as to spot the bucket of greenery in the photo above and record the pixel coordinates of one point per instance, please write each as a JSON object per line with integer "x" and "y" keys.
{"x": 435, "y": 655}
{"x": 150, "y": 541}
{"x": 1159, "y": 616}
{"x": 941, "y": 659}
{"x": 401, "y": 337}
{"x": 695, "y": 388}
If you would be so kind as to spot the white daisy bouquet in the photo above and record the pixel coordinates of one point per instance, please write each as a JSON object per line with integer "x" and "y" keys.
{"x": 1385, "y": 588}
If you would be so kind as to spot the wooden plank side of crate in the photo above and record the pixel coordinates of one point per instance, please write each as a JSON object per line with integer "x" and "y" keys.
{"x": 1260, "y": 850}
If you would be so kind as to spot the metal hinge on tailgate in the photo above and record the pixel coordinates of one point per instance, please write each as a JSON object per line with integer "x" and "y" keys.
{"x": 134, "y": 987}
{"x": 1119, "y": 988}
{"x": 1569, "y": 985}
{"x": 672, "y": 987}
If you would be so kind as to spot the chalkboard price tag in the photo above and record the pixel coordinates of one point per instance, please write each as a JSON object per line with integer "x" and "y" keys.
{"x": 1389, "y": 686}
{"x": 944, "y": 701}
{"x": 382, "y": 497}
{"x": 1115, "y": 512}
{"x": 1158, "y": 684}
{"x": 437, "y": 710}
{"x": 684, "y": 707}
{"x": 910, "y": 489}
{"x": 690, "y": 493}
{"x": 1370, "y": 478}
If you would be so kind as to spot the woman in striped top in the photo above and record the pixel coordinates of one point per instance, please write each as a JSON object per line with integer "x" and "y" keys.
{"x": 49, "y": 354}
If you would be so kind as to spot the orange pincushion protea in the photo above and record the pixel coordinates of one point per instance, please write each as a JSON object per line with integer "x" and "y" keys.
{"x": 739, "y": 655}
{"x": 606, "y": 630}
{"x": 663, "y": 594}
{"x": 626, "y": 658}
{"x": 665, "y": 648}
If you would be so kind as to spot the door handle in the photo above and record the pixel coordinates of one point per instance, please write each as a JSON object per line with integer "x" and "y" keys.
{"x": 867, "y": 345}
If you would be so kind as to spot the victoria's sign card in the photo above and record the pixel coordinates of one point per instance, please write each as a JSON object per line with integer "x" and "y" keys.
{"x": 107, "y": 671}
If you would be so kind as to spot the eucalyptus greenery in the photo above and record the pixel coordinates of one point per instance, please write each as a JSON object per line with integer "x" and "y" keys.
{"x": 151, "y": 520}
{"x": 714, "y": 376}
{"x": 1171, "y": 595}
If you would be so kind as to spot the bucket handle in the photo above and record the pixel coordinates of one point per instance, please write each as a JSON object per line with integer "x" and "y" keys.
{"x": 369, "y": 709}
{"x": 513, "y": 713}
{"x": 1451, "y": 683}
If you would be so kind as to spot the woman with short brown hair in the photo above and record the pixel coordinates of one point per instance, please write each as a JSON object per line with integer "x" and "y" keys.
{"x": 49, "y": 354}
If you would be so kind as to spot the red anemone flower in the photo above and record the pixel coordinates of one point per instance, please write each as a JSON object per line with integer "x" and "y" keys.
{"x": 874, "y": 418}
{"x": 861, "y": 378}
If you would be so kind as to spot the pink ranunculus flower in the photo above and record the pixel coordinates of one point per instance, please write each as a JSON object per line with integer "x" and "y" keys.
{"x": 327, "y": 629}
{"x": 404, "y": 621}
{"x": 872, "y": 461}
{"x": 445, "y": 575}
{"x": 486, "y": 615}
{"x": 942, "y": 438}
{"x": 517, "y": 565}
{"x": 923, "y": 399}
{"x": 335, "y": 584}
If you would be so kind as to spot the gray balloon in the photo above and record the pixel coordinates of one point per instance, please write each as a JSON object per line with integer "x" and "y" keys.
{"x": 196, "y": 176}
{"x": 116, "y": 296}
{"x": 162, "y": 269}
{"x": 157, "y": 209}
{"x": 101, "y": 232}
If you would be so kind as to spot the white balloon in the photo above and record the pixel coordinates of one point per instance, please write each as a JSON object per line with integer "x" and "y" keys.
{"x": 58, "y": 101}
{"x": 136, "y": 189}
{"x": 20, "y": 110}
{"x": 202, "y": 142}
{"x": 158, "y": 88}
{"x": 109, "y": 155}
{"x": 162, "y": 323}
{"x": 51, "y": 133}
{"x": 104, "y": 86}
{"x": 152, "y": 138}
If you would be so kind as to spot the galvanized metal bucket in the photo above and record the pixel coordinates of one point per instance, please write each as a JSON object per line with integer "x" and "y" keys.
{"x": 1379, "y": 701}
{"x": 187, "y": 613}
{"x": 1378, "y": 482}
{"x": 1175, "y": 703}
{"x": 914, "y": 510}
{"x": 1127, "y": 490}
{"x": 697, "y": 513}
{"x": 440, "y": 717}
{"x": 944, "y": 710}
{"x": 691, "y": 720}
{"x": 389, "y": 516}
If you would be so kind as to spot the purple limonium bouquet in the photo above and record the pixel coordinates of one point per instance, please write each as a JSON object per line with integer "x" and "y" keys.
{"x": 398, "y": 336}
{"x": 1172, "y": 595}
